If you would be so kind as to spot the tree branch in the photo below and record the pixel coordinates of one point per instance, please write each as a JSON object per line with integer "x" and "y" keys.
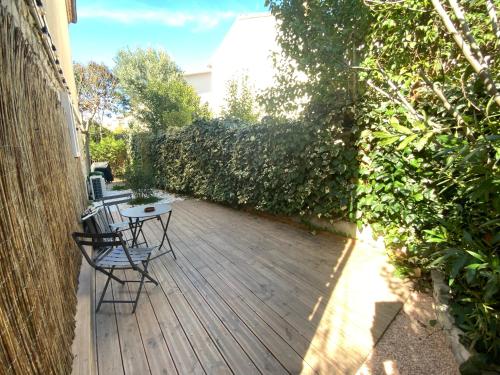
{"x": 439, "y": 93}
{"x": 397, "y": 99}
{"x": 401, "y": 98}
{"x": 492, "y": 12}
{"x": 481, "y": 69}
{"x": 466, "y": 30}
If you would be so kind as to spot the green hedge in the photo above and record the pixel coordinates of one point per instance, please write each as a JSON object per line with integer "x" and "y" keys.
{"x": 112, "y": 150}
{"x": 282, "y": 168}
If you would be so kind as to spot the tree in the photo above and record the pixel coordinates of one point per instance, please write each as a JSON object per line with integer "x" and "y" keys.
{"x": 97, "y": 97}
{"x": 155, "y": 90}
{"x": 239, "y": 101}
{"x": 323, "y": 40}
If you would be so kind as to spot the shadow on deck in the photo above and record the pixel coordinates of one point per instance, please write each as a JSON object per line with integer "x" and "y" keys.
{"x": 248, "y": 295}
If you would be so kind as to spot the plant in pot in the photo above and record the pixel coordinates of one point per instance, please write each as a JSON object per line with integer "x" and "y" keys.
{"x": 141, "y": 181}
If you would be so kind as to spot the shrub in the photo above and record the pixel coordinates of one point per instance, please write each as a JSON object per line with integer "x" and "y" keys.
{"x": 239, "y": 102}
{"x": 156, "y": 91}
{"x": 283, "y": 168}
{"x": 140, "y": 181}
{"x": 112, "y": 150}
{"x": 427, "y": 99}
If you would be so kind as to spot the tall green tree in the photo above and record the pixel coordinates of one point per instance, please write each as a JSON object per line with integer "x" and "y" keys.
{"x": 240, "y": 101}
{"x": 156, "y": 91}
{"x": 322, "y": 40}
{"x": 97, "y": 97}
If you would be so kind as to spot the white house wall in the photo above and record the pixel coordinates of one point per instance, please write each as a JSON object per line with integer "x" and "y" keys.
{"x": 245, "y": 50}
{"x": 202, "y": 83}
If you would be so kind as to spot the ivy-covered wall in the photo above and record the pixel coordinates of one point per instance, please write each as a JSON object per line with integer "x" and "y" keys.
{"x": 285, "y": 168}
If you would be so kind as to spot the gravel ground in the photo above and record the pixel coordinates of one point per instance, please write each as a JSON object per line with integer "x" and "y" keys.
{"x": 411, "y": 345}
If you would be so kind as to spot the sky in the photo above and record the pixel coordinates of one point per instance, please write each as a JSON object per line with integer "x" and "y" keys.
{"x": 188, "y": 30}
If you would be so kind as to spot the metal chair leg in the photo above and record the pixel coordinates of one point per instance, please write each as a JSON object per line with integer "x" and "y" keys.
{"x": 144, "y": 275}
{"x": 110, "y": 276}
{"x": 138, "y": 294}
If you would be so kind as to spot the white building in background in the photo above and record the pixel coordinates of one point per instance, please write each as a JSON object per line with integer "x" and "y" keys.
{"x": 247, "y": 50}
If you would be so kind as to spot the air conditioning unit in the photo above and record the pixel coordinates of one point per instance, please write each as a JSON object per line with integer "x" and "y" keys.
{"x": 97, "y": 187}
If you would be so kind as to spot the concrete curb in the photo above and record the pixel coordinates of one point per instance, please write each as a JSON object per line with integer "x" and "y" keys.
{"x": 442, "y": 297}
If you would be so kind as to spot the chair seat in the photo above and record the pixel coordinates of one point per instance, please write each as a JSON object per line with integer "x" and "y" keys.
{"x": 117, "y": 258}
{"x": 121, "y": 225}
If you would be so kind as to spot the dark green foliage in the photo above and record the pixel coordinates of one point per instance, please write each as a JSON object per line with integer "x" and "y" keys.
{"x": 140, "y": 180}
{"x": 119, "y": 187}
{"x": 323, "y": 40}
{"x": 156, "y": 91}
{"x": 286, "y": 168}
{"x": 143, "y": 200}
{"x": 429, "y": 149}
{"x": 112, "y": 150}
{"x": 435, "y": 190}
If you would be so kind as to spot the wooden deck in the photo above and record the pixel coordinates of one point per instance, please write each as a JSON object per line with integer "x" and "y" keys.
{"x": 248, "y": 295}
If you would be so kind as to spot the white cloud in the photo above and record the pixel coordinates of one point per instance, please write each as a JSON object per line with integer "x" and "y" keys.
{"x": 200, "y": 20}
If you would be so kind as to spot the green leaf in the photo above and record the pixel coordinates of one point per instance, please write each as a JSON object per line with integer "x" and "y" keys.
{"x": 423, "y": 141}
{"x": 406, "y": 141}
{"x": 383, "y": 135}
{"x": 388, "y": 141}
{"x": 477, "y": 255}
{"x": 400, "y": 128}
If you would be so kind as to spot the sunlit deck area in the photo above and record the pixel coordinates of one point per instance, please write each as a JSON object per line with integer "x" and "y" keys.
{"x": 248, "y": 295}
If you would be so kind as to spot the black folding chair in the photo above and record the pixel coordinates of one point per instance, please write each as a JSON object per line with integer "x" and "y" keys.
{"x": 115, "y": 221}
{"x": 111, "y": 206}
{"x": 111, "y": 253}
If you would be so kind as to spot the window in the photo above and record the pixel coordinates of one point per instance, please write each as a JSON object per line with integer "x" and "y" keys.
{"x": 70, "y": 120}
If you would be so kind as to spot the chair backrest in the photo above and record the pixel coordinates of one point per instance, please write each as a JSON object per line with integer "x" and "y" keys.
{"x": 101, "y": 221}
{"x": 96, "y": 222}
{"x": 112, "y": 204}
{"x": 101, "y": 243}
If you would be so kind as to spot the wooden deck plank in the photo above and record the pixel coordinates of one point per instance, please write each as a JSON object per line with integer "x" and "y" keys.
{"x": 131, "y": 344}
{"x": 232, "y": 284}
{"x": 236, "y": 323}
{"x": 235, "y": 356}
{"x": 290, "y": 286}
{"x": 109, "y": 358}
{"x": 180, "y": 348}
{"x": 301, "y": 262}
{"x": 284, "y": 307}
{"x": 284, "y": 237}
{"x": 203, "y": 346}
{"x": 155, "y": 346}
{"x": 252, "y": 295}
{"x": 283, "y": 352}
{"x": 348, "y": 326}
{"x": 266, "y": 287}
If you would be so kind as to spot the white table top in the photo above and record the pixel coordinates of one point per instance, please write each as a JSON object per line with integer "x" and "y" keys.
{"x": 138, "y": 211}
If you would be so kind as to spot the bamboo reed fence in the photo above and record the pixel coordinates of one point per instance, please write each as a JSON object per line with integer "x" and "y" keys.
{"x": 41, "y": 197}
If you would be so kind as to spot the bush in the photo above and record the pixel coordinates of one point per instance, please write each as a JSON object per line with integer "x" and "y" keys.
{"x": 282, "y": 168}
{"x": 140, "y": 181}
{"x": 112, "y": 150}
{"x": 429, "y": 106}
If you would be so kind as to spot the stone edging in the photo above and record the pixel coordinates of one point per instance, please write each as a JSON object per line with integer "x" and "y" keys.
{"x": 442, "y": 297}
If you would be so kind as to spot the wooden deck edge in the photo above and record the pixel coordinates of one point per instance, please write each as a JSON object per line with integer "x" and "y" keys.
{"x": 83, "y": 348}
{"x": 338, "y": 227}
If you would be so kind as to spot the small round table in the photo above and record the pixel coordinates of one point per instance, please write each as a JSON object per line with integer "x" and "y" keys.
{"x": 137, "y": 217}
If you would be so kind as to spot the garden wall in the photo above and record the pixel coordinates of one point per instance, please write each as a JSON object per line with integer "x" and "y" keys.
{"x": 41, "y": 197}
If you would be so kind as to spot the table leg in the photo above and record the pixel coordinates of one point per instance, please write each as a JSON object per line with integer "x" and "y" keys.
{"x": 165, "y": 236}
{"x": 135, "y": 228}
